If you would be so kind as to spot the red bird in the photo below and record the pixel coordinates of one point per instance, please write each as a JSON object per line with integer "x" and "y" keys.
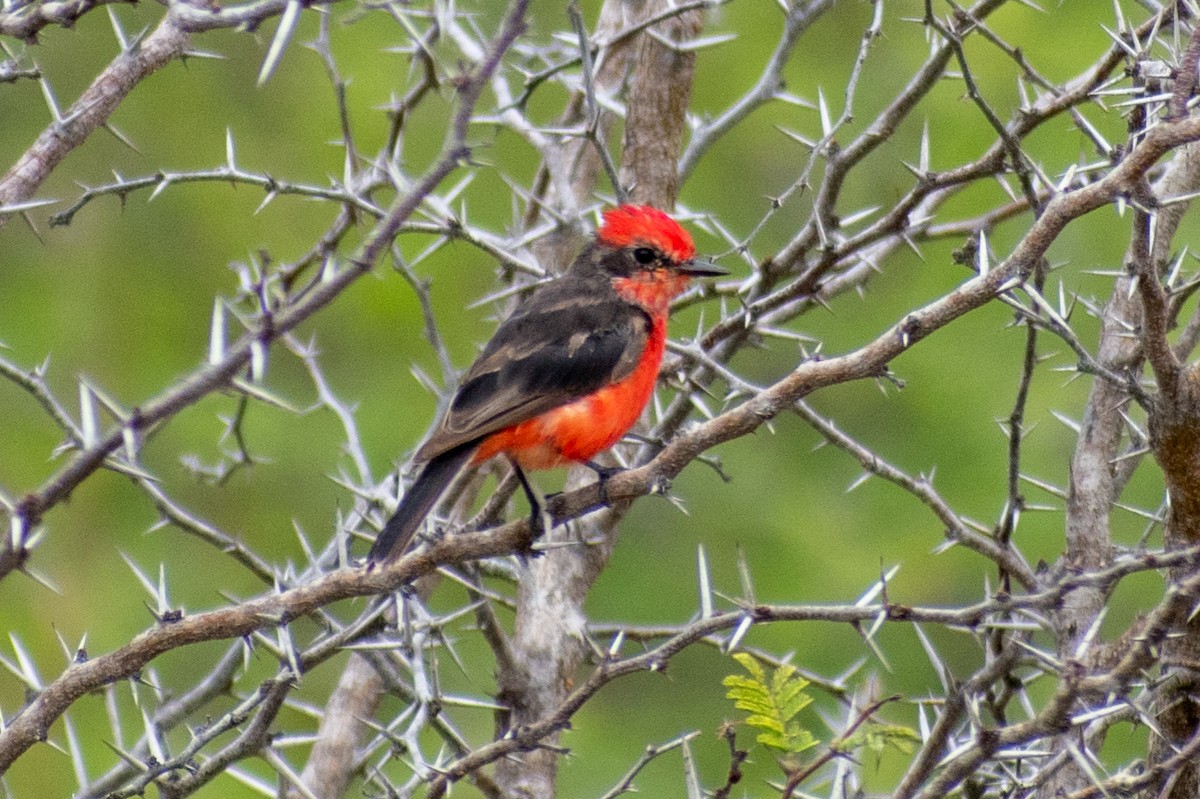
{"x": 567, "y": 375}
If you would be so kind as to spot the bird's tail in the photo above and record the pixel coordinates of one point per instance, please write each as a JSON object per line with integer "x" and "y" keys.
{"x": 420, "y": 498}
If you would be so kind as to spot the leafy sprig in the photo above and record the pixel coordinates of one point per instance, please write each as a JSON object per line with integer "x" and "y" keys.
{"x": 773, "y": 702}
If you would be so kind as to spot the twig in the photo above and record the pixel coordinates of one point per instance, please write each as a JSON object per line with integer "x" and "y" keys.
{"x": 91, "y": 111}
{"x": 834, "y": 748}
{"x": 1004, "y": 556}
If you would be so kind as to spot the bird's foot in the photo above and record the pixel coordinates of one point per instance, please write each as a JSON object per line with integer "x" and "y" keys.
{"x": 540, "y": 524}
{"x": 603, "y": 473}
{"x": 540, "y": 520}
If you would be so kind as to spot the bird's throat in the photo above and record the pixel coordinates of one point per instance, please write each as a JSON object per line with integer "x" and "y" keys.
{"x": 652, "y": 291}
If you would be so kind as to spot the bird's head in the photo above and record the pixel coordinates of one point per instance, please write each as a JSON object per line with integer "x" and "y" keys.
{"x": 648, "y": 255}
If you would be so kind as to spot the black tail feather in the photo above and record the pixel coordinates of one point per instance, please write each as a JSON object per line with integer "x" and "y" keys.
{"x": 422, "y": 495}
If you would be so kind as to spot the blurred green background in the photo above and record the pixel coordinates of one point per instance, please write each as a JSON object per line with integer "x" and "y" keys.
{"x": 124, "y": 294}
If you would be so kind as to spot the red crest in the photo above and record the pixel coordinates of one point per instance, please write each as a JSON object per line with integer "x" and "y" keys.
{"x": 627, "y": 225}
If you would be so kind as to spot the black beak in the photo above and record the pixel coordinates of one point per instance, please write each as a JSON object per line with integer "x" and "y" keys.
{"x": 700, "y": 267}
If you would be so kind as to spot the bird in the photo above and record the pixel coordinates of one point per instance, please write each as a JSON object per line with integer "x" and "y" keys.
{"x": 568, "y": 373}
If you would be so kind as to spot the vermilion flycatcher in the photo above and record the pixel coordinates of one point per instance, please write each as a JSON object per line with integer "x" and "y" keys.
{"x": 569, "y": 372}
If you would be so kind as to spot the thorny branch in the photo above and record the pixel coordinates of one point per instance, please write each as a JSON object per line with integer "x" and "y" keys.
{"x": 816, "y": 240}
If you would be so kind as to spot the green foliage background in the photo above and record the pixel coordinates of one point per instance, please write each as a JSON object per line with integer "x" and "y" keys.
{"x": 123, "y": 296}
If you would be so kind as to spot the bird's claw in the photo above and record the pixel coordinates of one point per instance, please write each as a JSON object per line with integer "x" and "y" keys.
{"x": 603, "y": 473}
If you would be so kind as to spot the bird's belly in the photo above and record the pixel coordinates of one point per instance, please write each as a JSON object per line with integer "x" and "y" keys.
{"x": 579, "y": 430}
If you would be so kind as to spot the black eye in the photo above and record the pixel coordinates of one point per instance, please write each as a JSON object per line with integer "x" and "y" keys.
{"x": 645, "y": 255}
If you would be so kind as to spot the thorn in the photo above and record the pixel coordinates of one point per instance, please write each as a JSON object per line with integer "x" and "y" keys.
{"x": 862, "y": 478}
{"x": 271, "y": 195}
{"x": 164, "y": 180}
{"x": 283, "y": 34}
{"x": 807, "y": 142}
{"x": 122, "y": 40}
{"x": 51, "y": 100}
{"x": 28, "y": 671}
{"x": 614, "y": 649}
{"x": 1066, "y": 420}
{"x": 120, "y": 135}
{"x": 748, "y": 595}
{"x": 216, "y": 338}
{"x": 923, "y": 160}
{"x": 16, "y": 532}
{"x": 876, "y": 588}
{"x": 823, "y": 108}
{"x": 1120, "y": 42}
{"x": 88, "y": 422}
{"x": 22, "y": 207}
{"x": 705, "y": 583}
{"x": 42, "y": 580}
{"x": 858, "y": 216}
{"x": 258, "y": 360}
{"x": 1119, "y": 15}
{"x": 151, "y": 737}
{"x": 739, "y": 633}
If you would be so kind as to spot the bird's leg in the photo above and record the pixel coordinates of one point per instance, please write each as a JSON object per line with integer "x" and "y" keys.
{"x": 602, "y": 475}
{"x": 540, "y": 520}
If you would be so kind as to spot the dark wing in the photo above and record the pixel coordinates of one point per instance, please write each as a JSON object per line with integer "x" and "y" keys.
{"x": 571, "y": 338}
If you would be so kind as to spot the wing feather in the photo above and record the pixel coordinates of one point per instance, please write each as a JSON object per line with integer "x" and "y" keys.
{"x": 571, "y": 338}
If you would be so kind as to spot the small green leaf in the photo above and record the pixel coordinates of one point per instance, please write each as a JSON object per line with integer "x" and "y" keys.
{"x": 878, "y": 737}
{"x": 773, "y": 702}
{"x": 751, "y": 665}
